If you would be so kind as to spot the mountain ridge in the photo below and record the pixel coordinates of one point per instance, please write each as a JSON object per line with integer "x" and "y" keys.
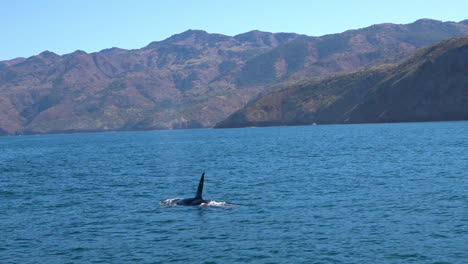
{"x": 254, "y": 30}
{"x": 192, "y": 79}
{"x": 429, "y": 86}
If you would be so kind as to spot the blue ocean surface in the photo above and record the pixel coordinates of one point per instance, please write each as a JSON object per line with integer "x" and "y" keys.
{"x": 370, "y": 193}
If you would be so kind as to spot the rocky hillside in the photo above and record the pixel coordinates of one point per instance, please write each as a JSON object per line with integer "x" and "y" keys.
{"x": 432, "y": 85}
{"x": 193, "y": 79}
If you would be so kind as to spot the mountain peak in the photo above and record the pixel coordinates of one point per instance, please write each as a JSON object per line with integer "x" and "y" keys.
{"x": 191, "y": 37}
{"x": 427, "y": 21}
{"x": 265, "y": 38}
{"x": 257, "y": 38}
{"x": 48, "y": 54}
{"x": 79, "y": 52}
{"x": 112, "y": 50}
{"x": 191, "y": 32}
{"x": 251, "y": 35}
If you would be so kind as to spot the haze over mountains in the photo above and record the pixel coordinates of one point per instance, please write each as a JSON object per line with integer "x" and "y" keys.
{"x": 195, "y": 79}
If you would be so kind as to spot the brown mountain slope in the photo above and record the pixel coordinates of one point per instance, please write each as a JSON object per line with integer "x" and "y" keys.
{"x": 430, "y": 86}
{"x": 350, "y": 50}
{"x": 192, "y": 79}
{"x": 155, "y": 87}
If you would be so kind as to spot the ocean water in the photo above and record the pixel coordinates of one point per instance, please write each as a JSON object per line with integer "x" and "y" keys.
{"x": 371, "y": 193}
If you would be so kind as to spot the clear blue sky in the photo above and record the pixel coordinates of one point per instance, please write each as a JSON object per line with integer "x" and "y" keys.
{"x": 62, "y": 26}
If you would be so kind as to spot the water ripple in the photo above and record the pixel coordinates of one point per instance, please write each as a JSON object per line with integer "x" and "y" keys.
{"x": 387, "y": 193}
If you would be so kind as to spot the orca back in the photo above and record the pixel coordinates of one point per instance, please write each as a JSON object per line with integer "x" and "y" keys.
{"x": 191, "y": 201}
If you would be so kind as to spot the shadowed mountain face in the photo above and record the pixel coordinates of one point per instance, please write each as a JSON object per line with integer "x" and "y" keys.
{"x": 432, "y": 85}
{"x": 193, "y": 79}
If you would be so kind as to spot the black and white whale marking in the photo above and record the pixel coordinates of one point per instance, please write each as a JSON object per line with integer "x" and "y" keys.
{"x": 198, "y": 199}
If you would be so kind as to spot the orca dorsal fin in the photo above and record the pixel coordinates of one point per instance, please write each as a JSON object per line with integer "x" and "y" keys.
{"x": 200, "y": 186}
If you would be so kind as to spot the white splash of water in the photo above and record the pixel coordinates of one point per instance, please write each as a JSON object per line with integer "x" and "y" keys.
{"x": 173, "y": 201}
{"x": 216, "y": 204}
{"x": 170, "y": 201}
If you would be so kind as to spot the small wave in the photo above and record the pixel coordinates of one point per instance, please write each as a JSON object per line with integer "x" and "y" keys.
{"x": 173, "y": 201}
{"x": 216, "y": 204}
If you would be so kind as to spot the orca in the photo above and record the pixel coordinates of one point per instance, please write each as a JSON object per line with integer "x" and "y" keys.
{"x": 198, "y": 199}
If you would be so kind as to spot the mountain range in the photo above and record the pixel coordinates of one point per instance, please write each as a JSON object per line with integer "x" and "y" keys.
{"x": 196, "y": 79}
{"x": 432, "y": 85}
